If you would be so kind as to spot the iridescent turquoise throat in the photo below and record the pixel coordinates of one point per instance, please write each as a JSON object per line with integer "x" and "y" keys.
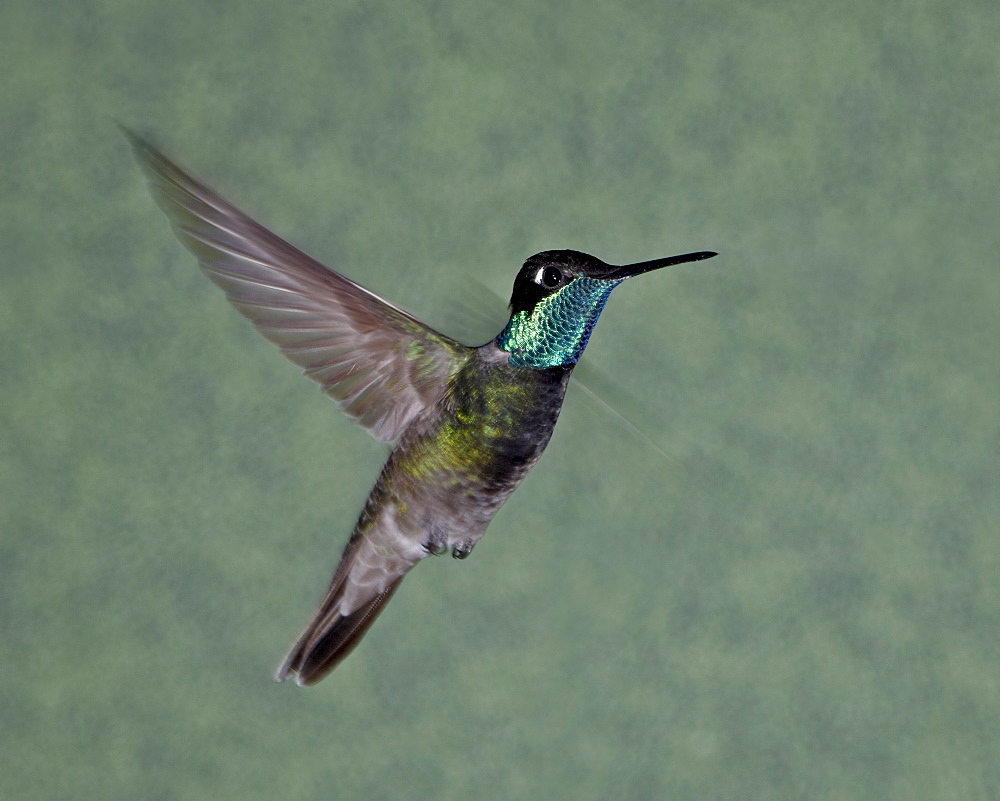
{"x": 556, "y": 331}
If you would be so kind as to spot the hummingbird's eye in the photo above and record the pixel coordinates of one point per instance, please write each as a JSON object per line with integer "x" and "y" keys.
{"x": 549, "y": 277}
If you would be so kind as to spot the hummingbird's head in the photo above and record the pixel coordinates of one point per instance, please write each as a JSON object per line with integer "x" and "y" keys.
{"x": 545, "y": 274}
{"x": 557, "y": 297}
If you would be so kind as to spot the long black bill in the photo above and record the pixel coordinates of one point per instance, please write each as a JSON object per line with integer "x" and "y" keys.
{"x": 628, "y": 270}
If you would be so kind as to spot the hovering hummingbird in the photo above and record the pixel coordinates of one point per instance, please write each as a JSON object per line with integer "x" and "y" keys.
{"x": 467, "y": 423}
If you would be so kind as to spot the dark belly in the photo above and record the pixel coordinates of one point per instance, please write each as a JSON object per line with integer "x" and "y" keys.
{"x": 450, "y": 474}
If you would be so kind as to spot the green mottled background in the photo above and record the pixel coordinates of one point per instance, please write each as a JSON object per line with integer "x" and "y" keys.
{"x": 802, "y": 602}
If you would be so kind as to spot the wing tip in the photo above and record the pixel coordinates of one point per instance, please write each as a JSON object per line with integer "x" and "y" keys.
{"x": 145, "y": 153}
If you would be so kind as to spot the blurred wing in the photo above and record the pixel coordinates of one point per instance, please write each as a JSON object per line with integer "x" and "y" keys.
{"x": 378, "y": 362}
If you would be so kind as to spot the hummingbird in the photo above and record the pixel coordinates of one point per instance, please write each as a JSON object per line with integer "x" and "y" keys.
{"x": 466, "y": 424}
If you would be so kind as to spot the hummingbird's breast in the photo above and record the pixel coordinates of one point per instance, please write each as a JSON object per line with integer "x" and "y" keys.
{"x": 458, "y": 462}
{"x": 452, "y": 469}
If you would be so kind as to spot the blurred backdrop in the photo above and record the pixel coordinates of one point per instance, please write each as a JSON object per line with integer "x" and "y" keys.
{"x": 800, "y": 602}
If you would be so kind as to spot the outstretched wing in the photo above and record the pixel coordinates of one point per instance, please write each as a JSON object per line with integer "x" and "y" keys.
{"x": 378, "y": 362}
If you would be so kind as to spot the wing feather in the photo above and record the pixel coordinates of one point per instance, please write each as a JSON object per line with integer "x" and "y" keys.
{"x": 379, "y": 363}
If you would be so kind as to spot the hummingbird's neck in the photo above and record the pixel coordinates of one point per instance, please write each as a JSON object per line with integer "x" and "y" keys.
{"x": 556, "y": 330}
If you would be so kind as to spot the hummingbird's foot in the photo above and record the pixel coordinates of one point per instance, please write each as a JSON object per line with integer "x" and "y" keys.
{"x": 463, "y": 550}
{"x": 435, "y": 545}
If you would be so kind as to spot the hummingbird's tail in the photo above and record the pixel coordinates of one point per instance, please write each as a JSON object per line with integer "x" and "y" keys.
{"x": 330, "y": 637}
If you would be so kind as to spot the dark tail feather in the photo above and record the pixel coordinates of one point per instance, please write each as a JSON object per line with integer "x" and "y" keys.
{"x": 323, "y": 646}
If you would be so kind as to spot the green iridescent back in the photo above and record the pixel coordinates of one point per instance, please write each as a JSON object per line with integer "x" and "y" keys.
{"x": 556, "y": 331}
